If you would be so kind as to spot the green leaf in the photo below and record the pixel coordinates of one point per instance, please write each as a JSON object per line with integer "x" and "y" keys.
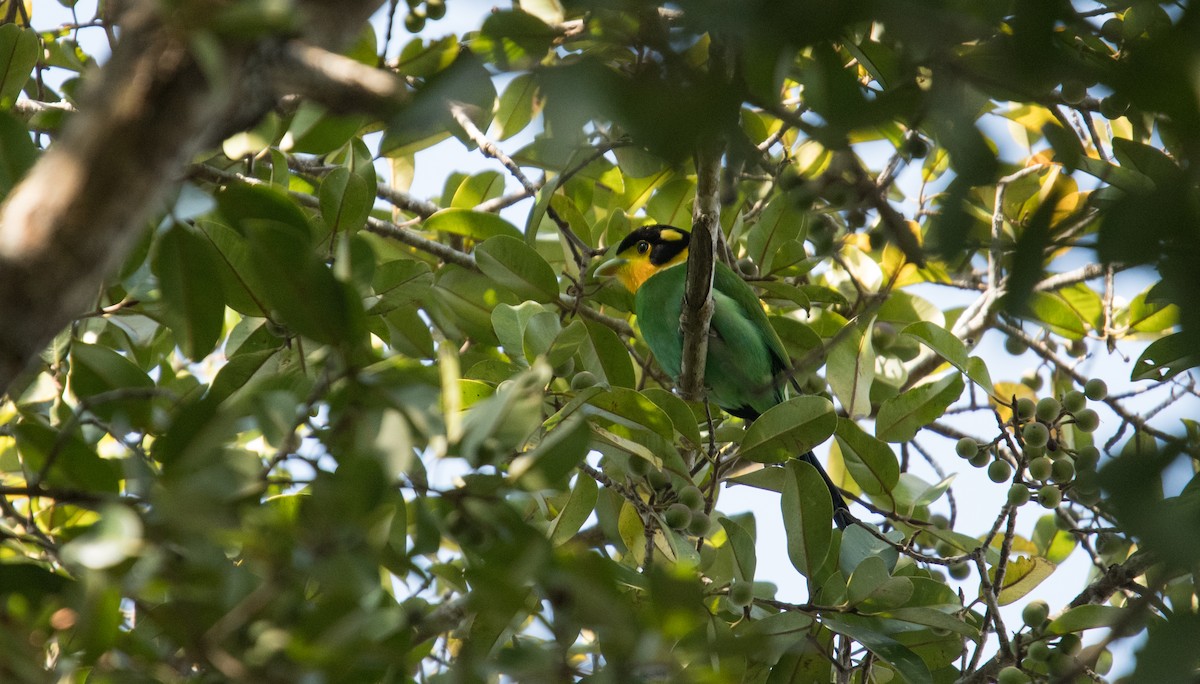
{"x": 1085, "y": 617}
{"x": 681, "y": 414}
{"x": 870, "y": 575}
{"x": 304, "y": 292}
{"x": 901, "y": 416}
{"x": 510, "y": 323}
{"x": 477, "y": 225}
{"x": 17, "y": 151}
{"x": 97, "y": 370}
{"x": 1165, "y": 358}
{"x": 1021, "y": 576}
{"x": 116, "y": 537}
{"x": 540, "y": 333}
{"x": 1053, "y": 544}
{"x": 517, "y": 107}
{"x": 606, "y": 356}
{"x": 744, "y": 559}
{"x": 549, "y": 463}
{"x": 778, "y": 224}
{"x": 476, "y": 189}
{"x": 789, "y": 429}
{"x": 400, "y": 282}
{"x": 851, "y": 370}
{"x": 807, "y": 518}
{"x": 632, "y": 409}
{"x": 345, "y": 200}
{"x": 858, "y": 544}
{"x": 870, "y": 633}
{"x": 1056, "y": 315}
{"x": 517, "y": 266}
{"x": 931, "y": 617}
{"x": 513, "y": 40}
{"x": 63, "y": 457}
{"x": 871, "y": 462}
{"x": 950, "y": 348}
{"x": 19, "y": 50}
{"x": 188, "y": 276}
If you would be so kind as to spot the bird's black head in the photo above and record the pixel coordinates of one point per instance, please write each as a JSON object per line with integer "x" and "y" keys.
{"x": 661, "y": 245}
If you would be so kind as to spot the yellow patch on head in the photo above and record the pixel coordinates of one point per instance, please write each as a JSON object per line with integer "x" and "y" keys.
{"x": 670, "y": 234}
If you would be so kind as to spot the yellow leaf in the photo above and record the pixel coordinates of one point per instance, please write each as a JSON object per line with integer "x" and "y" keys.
{"x": 1021, "y": 575}
{"x": 1008, "y": 392}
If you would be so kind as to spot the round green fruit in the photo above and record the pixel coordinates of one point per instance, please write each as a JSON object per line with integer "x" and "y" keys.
{"x": 658, "y": 479}
{"x": 1062, "y": 471}
{"x": 1074, "y": 401}
{"x": 981, "y": 459}
{"x": 436, "y": 8}
{"x": 1034, "y": 614}
{"x": 960, "y": 571}
{"x": 1086, "y": 458}
{"x": 1073, "y": 91}
{"x": 1040, "y": 650}
{"x": 1012, "y": 675}
{"x": 1087, "y": 420}
{"x": 1049, "y": 496}
{"x": 966, "y": 447}
{"x": 1095, "y": 389}
{"x": 1018, "y": 495}
{"x": 583, "y": 380}
{"x": 1036, "y": 434}
{"x": 692, "y": 497}
{"x": 1047, "y": 409}
{"x": 678, "y": 516}
{"x": 699, "y": 525}
{"x": 1070, "y": 644}
{"x": 741, "y": 593}
{"x": 1113, "y": 29}
{"x": 1114, "y": 106}
{"x": 414, "y": 23}
{"x": 1078, "y": 348}
{"x": 1015, "y": 346}
{"x": 1025, "y": 408}
{"x": 1040, "y": 468}
{"x": 999, "y": 471}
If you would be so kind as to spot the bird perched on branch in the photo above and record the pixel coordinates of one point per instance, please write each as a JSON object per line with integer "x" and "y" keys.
{"x": 747, "y": 369}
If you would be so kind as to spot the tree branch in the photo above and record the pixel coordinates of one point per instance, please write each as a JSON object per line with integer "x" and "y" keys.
{"x": 697, "y": 298}
{"x": 151, "y": 109}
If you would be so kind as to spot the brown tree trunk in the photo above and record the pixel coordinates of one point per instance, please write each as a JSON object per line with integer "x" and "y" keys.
{"x": 74, "y": 217}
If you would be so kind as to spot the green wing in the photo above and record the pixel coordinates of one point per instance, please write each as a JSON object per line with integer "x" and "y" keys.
{"x": 746, "y": 359}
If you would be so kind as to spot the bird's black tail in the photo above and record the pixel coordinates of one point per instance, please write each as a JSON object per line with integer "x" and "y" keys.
{"x": 841, "y": 512}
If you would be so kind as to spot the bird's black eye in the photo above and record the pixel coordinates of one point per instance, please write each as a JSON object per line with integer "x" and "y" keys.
{"x": 642, "y": 247}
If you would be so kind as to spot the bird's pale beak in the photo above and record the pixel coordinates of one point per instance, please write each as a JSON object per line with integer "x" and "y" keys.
{"x": 610, "y": 268}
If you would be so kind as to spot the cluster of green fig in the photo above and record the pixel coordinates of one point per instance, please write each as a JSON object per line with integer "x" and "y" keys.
{"x": 1042, "y": 658}
{"x": 682, "y": 508}
{"x": 1047, "y": 460}
{"x": 420, "y": 10}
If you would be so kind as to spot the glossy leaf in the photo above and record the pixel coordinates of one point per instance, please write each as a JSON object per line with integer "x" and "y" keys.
{"x": 476, "y": 225}
{"x": 194, "y": 305}
{"x": 1086, "y": 617}
{"x": 1022, "y": 575}
{"x": 871, "y": 462}
{"x": 901, "y": 416}
{"x": 807, "y": 518}
{"x": 518, "y": 267}
{"x": 788, "y": 430}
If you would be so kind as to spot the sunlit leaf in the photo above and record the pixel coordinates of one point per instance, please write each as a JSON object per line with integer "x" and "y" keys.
{"x": 901, "y": 416}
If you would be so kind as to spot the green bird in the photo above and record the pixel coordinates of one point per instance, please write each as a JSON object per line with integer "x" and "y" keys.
{"x": 747, "y": 369}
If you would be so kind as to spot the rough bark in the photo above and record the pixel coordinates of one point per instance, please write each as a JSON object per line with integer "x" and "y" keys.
{"x": 141, "y": 119}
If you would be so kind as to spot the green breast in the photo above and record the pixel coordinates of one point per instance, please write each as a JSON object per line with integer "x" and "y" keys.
{"x": 745, "y": 356}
